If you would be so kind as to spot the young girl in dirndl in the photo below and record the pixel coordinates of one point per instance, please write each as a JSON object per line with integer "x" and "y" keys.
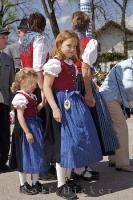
{"x": 71, "y": 139}
{"x": 27, "y": 150}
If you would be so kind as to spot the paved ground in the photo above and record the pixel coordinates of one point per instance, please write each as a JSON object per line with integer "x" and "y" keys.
{"x": 112, "y": 185}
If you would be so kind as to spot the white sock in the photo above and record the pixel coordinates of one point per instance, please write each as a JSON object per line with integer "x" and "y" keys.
{"x": 22, "y": 178}
{"x": 79, "y": 171}
{"x": 35, "y": 178}
{"x": 89, "y": 169}
{"x": 68, "y": 173}
{"x": 87, "y": 174}
{"x": 61, "y": 172}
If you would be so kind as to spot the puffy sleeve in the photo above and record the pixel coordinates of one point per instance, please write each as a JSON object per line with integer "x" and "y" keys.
{"x": 40, "y": 53}
{"x": 52, "y": 67}
{"x": 19, "y": 101}
{"x": 89, "y": 55}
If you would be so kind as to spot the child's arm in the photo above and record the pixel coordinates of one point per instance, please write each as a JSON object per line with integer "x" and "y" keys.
{"x": 86, "y": 73}
{"x": 28, "y": 134}
{"x": 47, "y": 87}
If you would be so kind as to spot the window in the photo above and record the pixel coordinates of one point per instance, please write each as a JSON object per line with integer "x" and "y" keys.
{"x": 130, "y": 45}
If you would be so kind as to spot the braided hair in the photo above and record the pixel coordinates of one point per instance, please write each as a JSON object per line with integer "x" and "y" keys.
{"x": 80, "y": 21}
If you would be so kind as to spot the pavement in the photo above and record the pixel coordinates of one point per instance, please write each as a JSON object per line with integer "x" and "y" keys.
{"x": 113, "y": 185}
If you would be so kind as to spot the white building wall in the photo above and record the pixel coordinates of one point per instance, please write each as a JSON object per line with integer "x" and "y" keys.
{"x": 111, "y": 39}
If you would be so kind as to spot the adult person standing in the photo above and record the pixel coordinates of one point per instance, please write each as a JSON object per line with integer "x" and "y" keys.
{"x": 117, "y": 90}
{"x": 88, "y": 47}
{"x": 13, "y": 50}
{"x": 7, "y": 73}
{"x": 34, "y": 50}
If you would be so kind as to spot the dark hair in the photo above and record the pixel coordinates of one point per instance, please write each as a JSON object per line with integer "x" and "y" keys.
{"x": 80, "y": 21}
{"x": 23, "y": 25}
{"x": 61, "y": 37}
{"x": 36, "y": 22}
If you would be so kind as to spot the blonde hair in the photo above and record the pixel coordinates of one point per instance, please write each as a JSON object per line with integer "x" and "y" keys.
{"x": 80, "y": 21}
{"x": 20, "y": 78}
{"x": 61, "y": 37}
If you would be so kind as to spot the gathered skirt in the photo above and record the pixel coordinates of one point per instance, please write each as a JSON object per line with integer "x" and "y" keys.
{"x": 101, "y": 116}
{"x": 26, "y": 157}
{"x": 74, "y": 142}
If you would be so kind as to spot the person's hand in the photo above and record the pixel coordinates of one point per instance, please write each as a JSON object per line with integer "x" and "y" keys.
{"x": 89, "y": 99}
{"x": 57, "y": 114}
{"x": 12, "y": 116}
{"x": 40, "y": 106}
{"x": 29, "y": 138}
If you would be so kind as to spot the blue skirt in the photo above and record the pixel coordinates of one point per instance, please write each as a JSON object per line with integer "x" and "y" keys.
{"x": 102, "y": 120}
{"x": 80, "y": 145}
{"x": 109, "y": 141}
{"x": 26, "y": 157}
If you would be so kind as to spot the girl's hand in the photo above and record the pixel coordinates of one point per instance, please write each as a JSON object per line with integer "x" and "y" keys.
{"x": 40, "y": 106}
{"x": 29, "y": 138}
{"x": 89, "y": 99}
{"x": 57, "y": 114}
{"x": 12, "y": 116}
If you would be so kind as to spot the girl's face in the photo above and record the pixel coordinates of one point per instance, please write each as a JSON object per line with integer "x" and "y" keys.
{"x": 68, "y": 47}
{"x": 29, "y": 85}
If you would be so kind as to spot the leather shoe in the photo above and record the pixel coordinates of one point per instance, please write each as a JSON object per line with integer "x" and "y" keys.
{"x": 91, "y": 176}
{"x": 111, "y": 164}
{"x": 127, "y": 168}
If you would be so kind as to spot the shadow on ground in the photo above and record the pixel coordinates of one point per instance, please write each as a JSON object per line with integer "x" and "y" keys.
{"x": 110, "y": 181}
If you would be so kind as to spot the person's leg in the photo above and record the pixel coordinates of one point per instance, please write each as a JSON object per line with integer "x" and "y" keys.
{"x": 61, "y": 175}
{"x": 4, "y": 135}
{"x": 25, "y": 188}
{"x": 37, "y": 186}
{"x": 121, "y": 157}
{"x": 71, "y": 183}
{"x": 22, "y": 178}
{"x": 63, "y": 189}
{"x": 68, "y": 173}
{"x": 86, "y": 173}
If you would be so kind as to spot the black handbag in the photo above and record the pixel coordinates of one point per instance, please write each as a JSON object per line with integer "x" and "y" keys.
{"x": 126, "y": 110}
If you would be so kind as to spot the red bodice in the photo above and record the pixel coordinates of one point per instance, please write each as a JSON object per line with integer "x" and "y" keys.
{"x": 27, "y": 57}
{"x": 83, "y": 42}
{"x": 66, "y": 80}
{"x": 31, "y": 110}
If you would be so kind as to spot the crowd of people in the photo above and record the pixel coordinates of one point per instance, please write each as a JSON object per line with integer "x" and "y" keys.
{"x": 63, "y": 120}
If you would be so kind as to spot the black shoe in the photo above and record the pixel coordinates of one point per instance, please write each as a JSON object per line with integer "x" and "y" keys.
{"x": 40, "y": 188}
{"x": 75, "y": 187}
{"x": 27, "y": 189}
{"x": 94, "y": 172}
{"x": 111, "y": 164}
{"x": 94, "y": 176}
{"x": 66, "y": 192}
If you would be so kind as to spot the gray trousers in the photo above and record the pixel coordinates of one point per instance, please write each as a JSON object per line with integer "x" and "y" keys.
{"x": 121, "y": 157}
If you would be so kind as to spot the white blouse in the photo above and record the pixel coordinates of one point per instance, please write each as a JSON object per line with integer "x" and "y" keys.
{"x": 89, "y": 55}
{"x": 20, "y": 101}
{"x": 40, "y": 52}
{"x": 53, "y": 66}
